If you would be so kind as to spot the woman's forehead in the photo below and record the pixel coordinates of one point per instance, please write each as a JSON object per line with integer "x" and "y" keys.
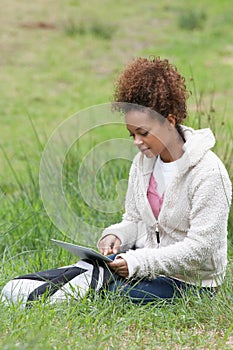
{"x": 139, "y": 119}
{"x": 135, "y": 115}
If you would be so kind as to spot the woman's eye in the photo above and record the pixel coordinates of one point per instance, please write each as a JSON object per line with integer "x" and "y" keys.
{"x": 141, "y": 134}
{"x": 145, "y": 133}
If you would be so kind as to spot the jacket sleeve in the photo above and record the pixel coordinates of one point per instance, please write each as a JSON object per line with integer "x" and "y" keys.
{"x": 206, "y": 237}
{"x": 127, "y": 229}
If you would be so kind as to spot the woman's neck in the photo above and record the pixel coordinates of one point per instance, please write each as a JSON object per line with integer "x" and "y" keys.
{"x": 174, "y": 150}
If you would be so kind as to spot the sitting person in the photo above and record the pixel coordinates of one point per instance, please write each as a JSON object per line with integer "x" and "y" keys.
{"x": 173, "y": 235}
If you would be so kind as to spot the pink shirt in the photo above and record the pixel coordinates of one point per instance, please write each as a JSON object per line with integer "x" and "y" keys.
{"x": 153, "y": 197}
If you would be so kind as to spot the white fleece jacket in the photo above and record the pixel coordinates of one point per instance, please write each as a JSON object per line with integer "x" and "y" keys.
{"x": 192, "y": 223}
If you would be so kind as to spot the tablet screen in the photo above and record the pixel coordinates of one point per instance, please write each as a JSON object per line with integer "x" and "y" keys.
{"x": 82, "y": 252}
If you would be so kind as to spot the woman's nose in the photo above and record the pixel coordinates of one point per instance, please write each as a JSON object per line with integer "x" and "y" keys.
{"x": 137, "y": 140}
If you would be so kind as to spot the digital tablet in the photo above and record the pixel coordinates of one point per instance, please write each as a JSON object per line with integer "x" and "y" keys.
{"x": 82, "y": 252}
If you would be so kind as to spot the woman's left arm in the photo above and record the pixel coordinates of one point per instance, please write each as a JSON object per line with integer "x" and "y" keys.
{"x": 208, "y": 226}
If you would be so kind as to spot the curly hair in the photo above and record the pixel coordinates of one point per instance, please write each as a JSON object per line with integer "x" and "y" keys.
{"x": 152, "y": 83}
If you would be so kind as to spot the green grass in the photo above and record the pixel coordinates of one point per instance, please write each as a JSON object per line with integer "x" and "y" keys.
{"x": 49, "y": 75}
{"x": 95, "y": 323}
{"x": 58, "y": 58}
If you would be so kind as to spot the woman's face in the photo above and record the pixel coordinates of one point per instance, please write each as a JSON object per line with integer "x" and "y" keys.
{"x": 149, "y": 134}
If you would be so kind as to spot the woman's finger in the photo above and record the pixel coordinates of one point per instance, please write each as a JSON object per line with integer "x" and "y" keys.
{"x": 119, "y": 265}
{"x": 109, "y": 244}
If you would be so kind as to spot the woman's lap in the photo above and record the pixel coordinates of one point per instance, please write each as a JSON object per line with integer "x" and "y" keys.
{"x": 144, "y": 291}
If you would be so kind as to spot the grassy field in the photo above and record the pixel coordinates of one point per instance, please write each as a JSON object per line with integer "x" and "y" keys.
{"x": 59, "y": 58}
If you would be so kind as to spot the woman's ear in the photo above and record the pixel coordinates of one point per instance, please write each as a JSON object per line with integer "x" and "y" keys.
{"x": 171, "y": 119}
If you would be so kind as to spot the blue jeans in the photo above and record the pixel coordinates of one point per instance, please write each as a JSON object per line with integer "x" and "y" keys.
{"x": 145, "y": 291}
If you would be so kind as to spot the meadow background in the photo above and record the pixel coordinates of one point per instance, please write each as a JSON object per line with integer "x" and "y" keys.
{"x": 57, "y": 58}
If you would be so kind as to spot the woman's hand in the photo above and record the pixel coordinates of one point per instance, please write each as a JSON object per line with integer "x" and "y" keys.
{"x": 109, "y": 244}
{"x": 119, "y": 265}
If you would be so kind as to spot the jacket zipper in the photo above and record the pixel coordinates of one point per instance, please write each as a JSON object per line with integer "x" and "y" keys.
{"x": 157, "y": 233}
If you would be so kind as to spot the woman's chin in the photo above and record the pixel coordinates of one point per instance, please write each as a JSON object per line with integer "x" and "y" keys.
{"x": 148, "y": 154}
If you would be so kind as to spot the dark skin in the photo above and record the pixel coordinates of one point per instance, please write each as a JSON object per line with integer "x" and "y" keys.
{"x": 152, "y": 139}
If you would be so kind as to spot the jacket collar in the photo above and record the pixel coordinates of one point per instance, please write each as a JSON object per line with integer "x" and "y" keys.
{"x": 146, "y": 164}
{"x": 198, "y": 143}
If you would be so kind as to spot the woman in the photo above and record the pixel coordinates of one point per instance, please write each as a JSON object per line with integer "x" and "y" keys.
{"x": 174, "y": 232}
{"x": 173, "y": 236}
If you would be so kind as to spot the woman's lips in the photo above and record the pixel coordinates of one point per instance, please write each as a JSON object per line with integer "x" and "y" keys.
{"x": 144, "y": 149}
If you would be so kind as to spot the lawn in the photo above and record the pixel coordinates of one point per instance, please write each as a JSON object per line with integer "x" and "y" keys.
{"x": 60, "y": 59}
